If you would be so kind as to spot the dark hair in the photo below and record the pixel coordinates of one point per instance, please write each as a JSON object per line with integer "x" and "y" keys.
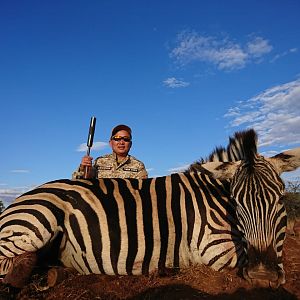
{"x": 121, "y": 127}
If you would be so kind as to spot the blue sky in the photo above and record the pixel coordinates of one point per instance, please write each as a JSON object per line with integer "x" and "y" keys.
{"x": 183, "y": 74}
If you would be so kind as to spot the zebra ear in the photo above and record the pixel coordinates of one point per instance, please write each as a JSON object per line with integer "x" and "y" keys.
{"x": 286, "y": 161}
{"x": 220, "y": 170}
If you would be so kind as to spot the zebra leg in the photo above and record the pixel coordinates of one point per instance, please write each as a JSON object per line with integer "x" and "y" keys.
{"x": 21, "y": 269}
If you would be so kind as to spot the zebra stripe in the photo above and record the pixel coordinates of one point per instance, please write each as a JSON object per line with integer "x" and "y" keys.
{"x": 227, "y": 216}
{"x": 117, "y": 226}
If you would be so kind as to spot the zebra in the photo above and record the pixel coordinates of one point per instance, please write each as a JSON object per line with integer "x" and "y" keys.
{"x": 224, "y": 212}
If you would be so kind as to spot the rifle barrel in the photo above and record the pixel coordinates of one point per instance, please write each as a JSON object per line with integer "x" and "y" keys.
{"x": 91, "y": 134}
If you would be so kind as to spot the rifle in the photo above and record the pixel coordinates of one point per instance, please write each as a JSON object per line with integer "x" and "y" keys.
{"x": 89, "y": 144}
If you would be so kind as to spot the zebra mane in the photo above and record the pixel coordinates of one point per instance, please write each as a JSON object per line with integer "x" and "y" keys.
{"x": 242, "y": 146}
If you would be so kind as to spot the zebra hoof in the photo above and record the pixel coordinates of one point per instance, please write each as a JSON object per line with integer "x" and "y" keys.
{"x": 21, "y": 270}
{"x": 58, "y": 274}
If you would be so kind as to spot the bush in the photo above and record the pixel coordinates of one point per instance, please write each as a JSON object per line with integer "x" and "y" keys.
{"x": 1, "y": 206}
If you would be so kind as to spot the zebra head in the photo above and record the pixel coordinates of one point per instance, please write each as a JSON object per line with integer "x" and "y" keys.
{"x": 256, "y": 190}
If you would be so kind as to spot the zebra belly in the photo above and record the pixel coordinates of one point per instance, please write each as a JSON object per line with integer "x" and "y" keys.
{"x": 87, "y": 260}
{"x": 103, "y": 252}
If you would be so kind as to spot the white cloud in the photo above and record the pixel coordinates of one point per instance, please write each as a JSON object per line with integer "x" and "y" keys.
{"x": 96, "y": 146}
{"x": 13, "y": 191}
{"x": 285, "y": 53}
{"x": 19, "y": 171}
{"x": 292, "y": 176}
{"x": 178, "y": 169}
{"x": 222, "y": 53}
{"x": 7, "y": 196}
{"x": 274, "y": 113}
{"x": 172, "y": 82}
{"x": 258, "y": 47}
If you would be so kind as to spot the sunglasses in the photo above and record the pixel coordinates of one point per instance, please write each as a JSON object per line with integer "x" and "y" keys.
{"x": 119, "y": 138}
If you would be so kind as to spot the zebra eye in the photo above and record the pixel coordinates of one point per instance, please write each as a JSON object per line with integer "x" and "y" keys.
{"x": 281, "y": 200}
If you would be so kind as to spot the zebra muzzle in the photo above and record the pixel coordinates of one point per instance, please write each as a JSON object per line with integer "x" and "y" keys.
{"x": 262, "y": 277}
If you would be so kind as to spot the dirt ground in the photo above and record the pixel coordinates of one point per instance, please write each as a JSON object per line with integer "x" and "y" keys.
{"x": 196, "y": 283}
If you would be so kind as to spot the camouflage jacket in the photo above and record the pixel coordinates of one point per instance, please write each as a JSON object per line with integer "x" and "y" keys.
{"x": 106, "y": 166}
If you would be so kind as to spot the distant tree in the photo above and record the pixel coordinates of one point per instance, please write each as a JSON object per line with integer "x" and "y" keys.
{"x": 293, "y": 186}
{"x": 1, "y": 206}
{"x": 291, "y": 201}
